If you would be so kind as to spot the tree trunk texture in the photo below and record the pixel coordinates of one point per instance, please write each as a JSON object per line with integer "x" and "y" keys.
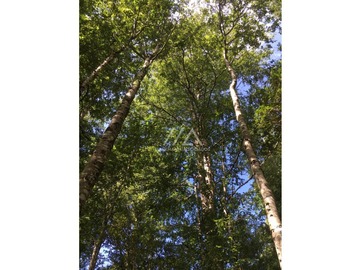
{"x": 95, "y": 165}
{"x": 206, "y": 182}
{"x": 266, "y": 193}
{"x": 208, "y": 211}
{"x": 223, "y": 185}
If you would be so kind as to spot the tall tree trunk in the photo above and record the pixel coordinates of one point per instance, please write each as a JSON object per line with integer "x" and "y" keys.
{"x": 208, "y": 211}
{"x": 266, "y": 193}
{"x": 224, "y": 184}
{"x": 206, "y": 182}
{"x": 95, "y": 165}
{"x": 96, "y": 249}
{"x": 202, "y": 256}
{"x": 108, "y": 59}
{"x": 97, "y": 70}
{"x": 208, "y": 227}
{"x": 205, "y": 175}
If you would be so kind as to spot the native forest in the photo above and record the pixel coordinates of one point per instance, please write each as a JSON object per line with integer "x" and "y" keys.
{"x": 180, "y": 134}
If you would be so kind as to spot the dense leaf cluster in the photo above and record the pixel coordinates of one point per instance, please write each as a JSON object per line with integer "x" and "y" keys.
{"x": 150, "y": 208}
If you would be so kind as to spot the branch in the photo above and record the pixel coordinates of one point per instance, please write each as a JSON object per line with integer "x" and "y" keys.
{"x": 233, "y": 165}
{"x": 243, "y": 184}
{"x": 160, "y": 108}
{"x": 132, "y": 47}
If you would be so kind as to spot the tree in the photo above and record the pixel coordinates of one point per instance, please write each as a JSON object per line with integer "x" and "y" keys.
{"x": 142, "y": 48}
{"x": 93, "y": 168}
{"x": 169, "y": 188}
{"x": 227, "y": 34}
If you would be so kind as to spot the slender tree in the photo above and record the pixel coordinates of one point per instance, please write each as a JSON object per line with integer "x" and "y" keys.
{"x": 96, "y": 249}
{"x": 93, "y": 168}
{"x": 114, "y": 53}
{"x": 194, "y": 78}
{"x": 97, "y": 70}
{"x": 265, "y": 191}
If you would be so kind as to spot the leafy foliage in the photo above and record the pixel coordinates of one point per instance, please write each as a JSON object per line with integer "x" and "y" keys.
{"x": 148, "y": 209}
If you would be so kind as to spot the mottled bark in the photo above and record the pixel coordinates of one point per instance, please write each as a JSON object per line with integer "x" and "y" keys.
{"x": 95, "y": 165}
{"x": 224, "y": 185}
{"x": 205, "y": 179}
{"x": 266, "y": 193}
{"x": 205, "y": 176}
{"x": 208, "y": 228}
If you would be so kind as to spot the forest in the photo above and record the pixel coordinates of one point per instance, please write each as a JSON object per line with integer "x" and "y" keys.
{"x": 180, "y": 134}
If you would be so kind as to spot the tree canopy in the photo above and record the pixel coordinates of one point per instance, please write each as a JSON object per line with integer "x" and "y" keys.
{"x": 165, "y": 180}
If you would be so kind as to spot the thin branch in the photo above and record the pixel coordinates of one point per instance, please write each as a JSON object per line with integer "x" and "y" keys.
{"x": 160, "y": 108}
{"x": 240, "y": 186}
{"x": 233, "y": 165}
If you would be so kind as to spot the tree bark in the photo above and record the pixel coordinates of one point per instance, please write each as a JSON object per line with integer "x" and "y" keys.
{"x": 208, "y": 228}
{"x": 96, "y": 249}
{"x": 107, "y": 60}
{"x": 206, "y": 183}
{"x": 90, "y": 174}
{"x": 97, "y": 70}
{"x": 266, "y": 193}
{"x": 224, "y": 184}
